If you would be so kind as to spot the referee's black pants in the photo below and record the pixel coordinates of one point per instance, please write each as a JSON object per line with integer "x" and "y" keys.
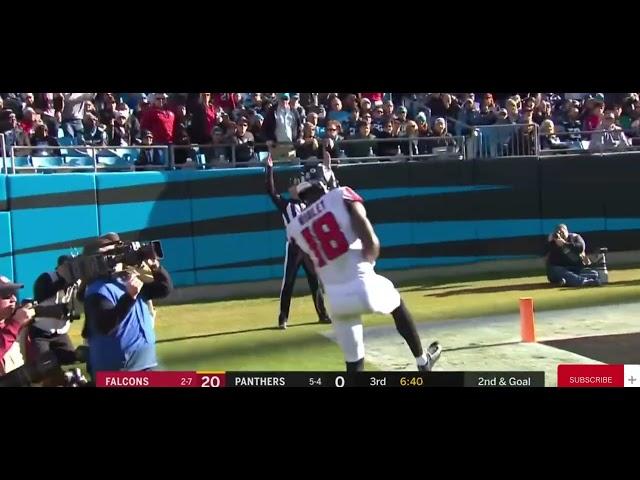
{"x": 294, "y": 259}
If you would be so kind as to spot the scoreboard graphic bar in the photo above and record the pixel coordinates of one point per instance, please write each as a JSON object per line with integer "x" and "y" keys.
{"x": 405, "y": 380}
{"x": 578, "y": 375}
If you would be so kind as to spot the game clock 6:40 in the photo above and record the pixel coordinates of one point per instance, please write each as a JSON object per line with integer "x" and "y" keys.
{"x": 411, "y": 381}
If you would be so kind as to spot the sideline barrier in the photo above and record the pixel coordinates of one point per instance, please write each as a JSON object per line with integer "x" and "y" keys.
{"x": 218, "y": 226}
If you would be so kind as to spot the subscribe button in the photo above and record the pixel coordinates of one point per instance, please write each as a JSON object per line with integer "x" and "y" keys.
{"x": 591, "y": 376}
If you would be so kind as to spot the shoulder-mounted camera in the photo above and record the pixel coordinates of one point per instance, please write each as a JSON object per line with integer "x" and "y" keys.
{"x": 88, "y": 267}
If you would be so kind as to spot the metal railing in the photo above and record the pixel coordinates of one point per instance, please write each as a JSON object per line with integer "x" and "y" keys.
{"x": 502, "y": 140}
{"x": 3, "y": 145}
{"x": 400, "y": 148}
{"x": 582, "y": 141}
{"x": 506, "y": 140}
{"x": 118, "y": 158}
{"x": 487, "y": 141}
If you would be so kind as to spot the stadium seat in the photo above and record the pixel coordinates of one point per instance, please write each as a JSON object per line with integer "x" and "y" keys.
{"x": 75, "y": 152}
{"x": 19, "y": 162}
{"x": 107, "y": 153}
{"x": 65, "y": 142}
{"x": 22, "y": 161}
{"x": 82, "y": 161}
{"x": 46, "y": 162}
{"x": 133, "y": 153}
{"x": 114, "y": 161}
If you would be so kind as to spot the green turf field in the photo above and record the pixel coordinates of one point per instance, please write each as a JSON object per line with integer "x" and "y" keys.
{"x": 240, "y": 334}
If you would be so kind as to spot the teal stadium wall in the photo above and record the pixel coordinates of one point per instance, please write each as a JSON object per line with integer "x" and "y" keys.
{"x": 219, "y": 226}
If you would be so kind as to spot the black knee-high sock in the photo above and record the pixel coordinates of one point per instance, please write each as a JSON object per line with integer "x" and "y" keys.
{"x": 407, "y": 329}
{"x": 357, "y": 366}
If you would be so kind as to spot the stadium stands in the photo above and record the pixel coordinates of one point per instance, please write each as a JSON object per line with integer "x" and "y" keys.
{"x": 233, "y": 129}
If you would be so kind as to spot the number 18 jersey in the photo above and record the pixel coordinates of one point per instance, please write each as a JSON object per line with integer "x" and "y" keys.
{"x": 323, "y": 230}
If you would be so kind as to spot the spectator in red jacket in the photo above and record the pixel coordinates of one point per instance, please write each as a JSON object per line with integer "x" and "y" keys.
{"x": 225, "y": 101}
{"x": 203, "y": 118}
{"x": 14, "y": 136}
{"x": 376, "y": 98}
{"x": 29, "y": 121}
{"x": 12, "y": 323}
{"x": 159, "y": 120}
{"x": 593, "y": 120}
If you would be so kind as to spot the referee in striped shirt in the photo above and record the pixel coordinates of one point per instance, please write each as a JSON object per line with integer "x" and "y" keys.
{"x": 294, "y": 257}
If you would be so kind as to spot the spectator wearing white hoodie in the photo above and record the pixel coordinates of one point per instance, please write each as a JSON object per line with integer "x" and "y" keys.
{"x": 73, "y": 113}
{"x": 609, "y": 135}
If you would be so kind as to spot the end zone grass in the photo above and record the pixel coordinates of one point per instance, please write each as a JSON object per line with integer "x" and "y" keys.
{"x": 241, "y": 334}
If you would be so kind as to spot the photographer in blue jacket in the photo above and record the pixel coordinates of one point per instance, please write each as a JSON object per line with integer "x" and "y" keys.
{"x": 119, "y": 323}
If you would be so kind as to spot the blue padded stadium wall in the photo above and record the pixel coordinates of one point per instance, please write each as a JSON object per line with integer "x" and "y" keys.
{"x": 50, "y": 215}
{"x": 150, "y": 206}
{"x": 219, "y": 226}
{"x": 6, "y": 250}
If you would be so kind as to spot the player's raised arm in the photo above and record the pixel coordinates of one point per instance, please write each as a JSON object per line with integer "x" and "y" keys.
{"x": 270, "y": 185}
{"x": 364, "y": 230}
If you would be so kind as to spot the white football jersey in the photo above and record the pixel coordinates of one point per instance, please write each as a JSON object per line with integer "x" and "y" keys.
{"x": 323, "y": 230}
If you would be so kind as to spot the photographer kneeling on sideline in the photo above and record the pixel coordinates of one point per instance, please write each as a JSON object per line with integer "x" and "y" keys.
{"x": 567, "y": 261}
{"x": 119, "y": 324}
{"x": 55, "y": 293}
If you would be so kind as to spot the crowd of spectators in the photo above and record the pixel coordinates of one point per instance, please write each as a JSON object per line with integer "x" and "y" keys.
{"x": 303, "y": 124}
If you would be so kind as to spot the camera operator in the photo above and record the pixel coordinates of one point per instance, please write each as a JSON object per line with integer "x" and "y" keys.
{"x": 49, "y": 331}
{"x": 12, "y": 323}
{"x": 119, "y": 325}
{"x": 567, "y": 261}
{"x": 14, "y": 372}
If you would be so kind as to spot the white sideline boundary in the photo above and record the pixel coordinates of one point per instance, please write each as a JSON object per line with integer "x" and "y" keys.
{"x": 493, "y": 342}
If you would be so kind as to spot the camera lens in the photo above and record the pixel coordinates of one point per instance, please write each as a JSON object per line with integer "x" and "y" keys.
{"x": 157, "y": 249}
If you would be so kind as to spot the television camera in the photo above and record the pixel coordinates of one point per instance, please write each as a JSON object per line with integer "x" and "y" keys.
{"x": 88, "y": 267}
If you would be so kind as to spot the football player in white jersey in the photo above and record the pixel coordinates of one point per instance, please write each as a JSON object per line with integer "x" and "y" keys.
{"x": 335, "y": 232}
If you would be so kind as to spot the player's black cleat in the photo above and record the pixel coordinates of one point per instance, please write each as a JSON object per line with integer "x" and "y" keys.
{"x": 433, "y": 354}
{"x": 282, "y": 322}
{"x": 324, "y": 320}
